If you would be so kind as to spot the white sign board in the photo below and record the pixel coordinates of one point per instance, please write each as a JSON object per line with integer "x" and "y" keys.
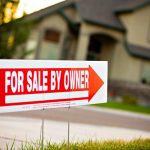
{"x": 38, "y": 84}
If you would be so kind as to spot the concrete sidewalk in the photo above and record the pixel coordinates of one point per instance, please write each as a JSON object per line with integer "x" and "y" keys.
{"x": 27, "y": 129}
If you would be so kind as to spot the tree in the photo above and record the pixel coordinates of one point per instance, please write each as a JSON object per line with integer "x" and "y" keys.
{"x": 13, "y": 32}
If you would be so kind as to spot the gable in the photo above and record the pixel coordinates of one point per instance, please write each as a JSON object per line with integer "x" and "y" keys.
{"x": 55, "y": 21}
{"x": 137, "y": 24}
{"x": 72, "y": 13}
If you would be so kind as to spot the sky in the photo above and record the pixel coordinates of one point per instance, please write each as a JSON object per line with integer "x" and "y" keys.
{"x": 30, "y": 6}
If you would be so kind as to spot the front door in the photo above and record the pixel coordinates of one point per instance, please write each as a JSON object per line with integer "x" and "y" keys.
{"x": 94, "y": 49}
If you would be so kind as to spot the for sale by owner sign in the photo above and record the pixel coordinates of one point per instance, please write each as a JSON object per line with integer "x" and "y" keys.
{"x": 38, "y": 84}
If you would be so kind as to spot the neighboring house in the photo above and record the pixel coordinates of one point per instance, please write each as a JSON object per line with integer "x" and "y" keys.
{"x": 114, "y": 30}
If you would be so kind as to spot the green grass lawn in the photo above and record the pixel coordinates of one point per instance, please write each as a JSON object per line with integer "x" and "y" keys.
{"x": 139, "y": 144}
{"x": 125, "y": 107}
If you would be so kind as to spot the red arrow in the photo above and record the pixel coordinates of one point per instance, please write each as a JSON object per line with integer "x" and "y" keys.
{"x": 95, "y": 83}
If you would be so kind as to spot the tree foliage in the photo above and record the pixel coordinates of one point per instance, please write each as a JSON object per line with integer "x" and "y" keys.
{"x": 13, "y": 32}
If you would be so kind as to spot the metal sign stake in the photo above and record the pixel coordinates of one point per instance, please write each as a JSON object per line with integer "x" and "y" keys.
{"x": 68, "y": 131}
{"x": 42, "y": 142}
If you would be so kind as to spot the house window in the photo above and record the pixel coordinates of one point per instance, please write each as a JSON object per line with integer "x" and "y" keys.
{"x": 51, "y": 36}
{"x": 50, "y": 45}
{"x": 148, "y": 36}
{"x": 146, "y": 75}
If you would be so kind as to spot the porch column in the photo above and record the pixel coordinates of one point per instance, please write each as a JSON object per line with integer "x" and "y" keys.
{"x": 82, "y": 47}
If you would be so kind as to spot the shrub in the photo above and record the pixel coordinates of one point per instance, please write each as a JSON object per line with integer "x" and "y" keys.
{"x": 129, "y": 100}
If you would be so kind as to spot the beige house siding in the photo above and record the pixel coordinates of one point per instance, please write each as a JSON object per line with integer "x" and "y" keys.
{"x": 83, "y": 41}
{"x": 54, "y": 21}
{"x": 125, "y": 67}
{"x": 108, "y": 53}
{"x": 138, "y": 25}
{"x": 32, "y": 43}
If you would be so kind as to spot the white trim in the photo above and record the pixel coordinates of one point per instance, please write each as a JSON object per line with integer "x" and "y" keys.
{"x": 45, "y": 96}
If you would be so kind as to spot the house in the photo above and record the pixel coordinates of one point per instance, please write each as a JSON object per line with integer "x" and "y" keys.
{"x": 114, "y": 30}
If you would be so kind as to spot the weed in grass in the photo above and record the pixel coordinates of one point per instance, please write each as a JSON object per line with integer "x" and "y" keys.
{"x": 138, "y": 144}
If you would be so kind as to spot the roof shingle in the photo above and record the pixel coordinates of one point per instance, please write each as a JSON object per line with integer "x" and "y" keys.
{"x": 104, "y": 11}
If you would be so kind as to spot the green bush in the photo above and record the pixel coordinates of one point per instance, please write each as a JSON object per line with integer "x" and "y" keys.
{"x": 129, "y": 100}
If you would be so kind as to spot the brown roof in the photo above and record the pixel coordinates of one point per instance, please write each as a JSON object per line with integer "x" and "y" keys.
{"x": 104, "y": 12}
{"x": 48, "y": 10}
{"x": 138, "y": 51}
